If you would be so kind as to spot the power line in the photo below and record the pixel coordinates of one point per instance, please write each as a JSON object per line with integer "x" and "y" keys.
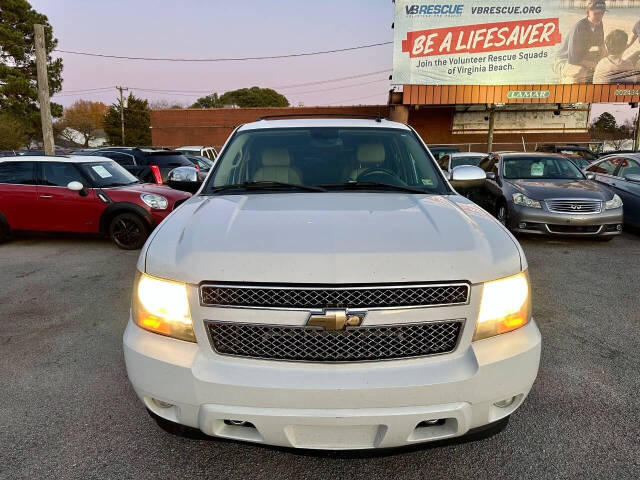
{"x": 342, "y": 86}
{"x": 229, "y": 59}
{"x": 320, "y": 82}
{"x": 354, "y": 99}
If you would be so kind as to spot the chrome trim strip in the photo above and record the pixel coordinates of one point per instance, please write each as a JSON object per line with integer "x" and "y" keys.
{"x": 597, "y": 232}
{"x": 462, "y": 321}
{"x": 317, "y": 310}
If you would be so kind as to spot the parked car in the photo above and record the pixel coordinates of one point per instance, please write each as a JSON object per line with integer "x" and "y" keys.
{"x": 202, "y": 164}
{"x": 151, "y": 166}
{"x": 581, "y": 155}
{"x": 544, "y": 193}
{"x": 450, "y": 161}
{"x": 621, "y": 173}
{"x": 327, "y": 288}
{"x": 81, "y": 194}
{"x": 439, "y": 150}
{"x": 38, "y": 153}
{"x": 202, "y": 151}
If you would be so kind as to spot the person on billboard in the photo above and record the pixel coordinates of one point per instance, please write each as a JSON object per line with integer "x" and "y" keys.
{"x": 583, "y": 46}
{"x": 613, "y": 68}
{"x": 636, "y": 34}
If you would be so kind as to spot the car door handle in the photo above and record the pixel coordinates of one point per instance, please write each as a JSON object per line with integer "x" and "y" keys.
{"x": 46, "y": 196}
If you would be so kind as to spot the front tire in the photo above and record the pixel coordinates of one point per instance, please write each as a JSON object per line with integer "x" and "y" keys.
{"x": 502, "y": 214}
{"x": 128, "y": 231}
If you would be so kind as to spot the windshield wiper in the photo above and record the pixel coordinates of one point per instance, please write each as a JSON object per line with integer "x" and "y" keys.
{"x": 355, "y": 185}
{"x": 265, "y": 184}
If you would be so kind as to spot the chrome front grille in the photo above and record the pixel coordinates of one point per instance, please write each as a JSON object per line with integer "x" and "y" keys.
{"x": 312, "y": 344}
{"x": 574, "y": 206}
{"x": 308, "y": 297}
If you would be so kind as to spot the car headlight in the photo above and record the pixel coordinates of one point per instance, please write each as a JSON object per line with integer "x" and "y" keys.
{"x": 522, "y": 199}
{"x": 155, "y": 201}
{"x": 505, "y": 306}
{"x": 615, "y": 202}
{"x": 161, "y": 306}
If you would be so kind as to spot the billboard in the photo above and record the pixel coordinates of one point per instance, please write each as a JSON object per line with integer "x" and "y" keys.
{"x": 511, "y": 42}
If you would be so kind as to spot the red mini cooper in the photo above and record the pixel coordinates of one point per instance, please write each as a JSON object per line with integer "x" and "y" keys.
{"x": 81, "y": 194}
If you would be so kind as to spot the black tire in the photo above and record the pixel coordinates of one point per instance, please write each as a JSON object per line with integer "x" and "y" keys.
{"x": 502, "y": 213}
{"x": 128, "y": 231}
{"x": 4, "y": 231}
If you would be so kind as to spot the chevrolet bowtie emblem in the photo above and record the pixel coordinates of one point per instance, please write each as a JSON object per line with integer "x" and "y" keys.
{"x": 335, "y": 319}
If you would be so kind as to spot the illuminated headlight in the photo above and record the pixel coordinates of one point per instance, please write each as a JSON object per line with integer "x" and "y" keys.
{"x": 521, "y": 199}
{"x": 615, "y": 202}
{"x": 505, "y": 306}
{"x": 161, "y": 306}
{"x": 155, "y": 201}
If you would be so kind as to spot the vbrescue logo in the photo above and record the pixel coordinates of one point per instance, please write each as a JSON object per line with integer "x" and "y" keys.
{"x": 449, "y": 9}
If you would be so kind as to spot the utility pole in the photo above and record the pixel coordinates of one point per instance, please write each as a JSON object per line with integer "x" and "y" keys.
{"x": 122, "y": 111}
{"x": 492, "y": 121}
{"x": 43, "y": 91}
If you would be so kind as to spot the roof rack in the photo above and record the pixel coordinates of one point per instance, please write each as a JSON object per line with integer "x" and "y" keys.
{"x": 377, "y": 118}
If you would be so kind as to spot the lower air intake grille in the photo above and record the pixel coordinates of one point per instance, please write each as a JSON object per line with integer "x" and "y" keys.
{"x": 379, "y": 342}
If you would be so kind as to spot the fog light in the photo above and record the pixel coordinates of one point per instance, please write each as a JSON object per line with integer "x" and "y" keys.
{"x": 239, "y": 423}
{"x": 507, "y": 402}
{"x": 162, "y": 404}
{"x": 431, "y": 423}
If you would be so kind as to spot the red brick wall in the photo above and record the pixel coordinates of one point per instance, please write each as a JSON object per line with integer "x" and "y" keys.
{"x": 173, "y": 128}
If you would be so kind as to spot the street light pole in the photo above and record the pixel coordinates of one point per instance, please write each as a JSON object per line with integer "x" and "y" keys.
{"x": 43, "y": 91}
{"x": 121, "y": 89}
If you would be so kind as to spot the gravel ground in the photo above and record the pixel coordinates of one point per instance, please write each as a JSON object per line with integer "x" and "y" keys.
{"x": 68, "y": 410}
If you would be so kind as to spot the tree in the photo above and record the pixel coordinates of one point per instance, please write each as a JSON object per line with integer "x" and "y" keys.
{"x": 210, "y": 101}
{"x": 18, "y": 75}
{"x": 244, "y": 98}
{"x": 606, "y": 128}
{"x": 136, "y": 123}
{"x": 13, "y": 134}
{"x": 164, "y": 104}
{"x": 86, "y": 118}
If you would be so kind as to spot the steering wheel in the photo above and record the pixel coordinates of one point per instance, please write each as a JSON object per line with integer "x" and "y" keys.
{"x": 381, "y": 175}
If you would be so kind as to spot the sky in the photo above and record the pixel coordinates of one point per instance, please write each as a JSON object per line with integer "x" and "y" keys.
{"x": 213, "y": 29}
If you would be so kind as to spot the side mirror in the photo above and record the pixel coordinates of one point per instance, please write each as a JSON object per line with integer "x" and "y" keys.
{"x": 185, "y": 179}
{"x": 77, "y": 187}
{"x": 468, "y": 176}
{"x": 590, "y": 176}
{"x": 491, "y": 176}
{"x": 632, "y": 177}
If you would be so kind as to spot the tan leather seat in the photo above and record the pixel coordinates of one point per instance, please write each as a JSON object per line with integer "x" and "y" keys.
{"x": 369, "y": 155}
{"x": 276, "y": 167}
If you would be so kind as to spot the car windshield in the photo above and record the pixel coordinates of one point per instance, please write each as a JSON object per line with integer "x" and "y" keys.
{"x": 586, "y": 154}
{"x": 107, "y": 173}
{"x": 326, "y": 158}
{"x": 540, "y": 168}
{"x": 466, "y": 160}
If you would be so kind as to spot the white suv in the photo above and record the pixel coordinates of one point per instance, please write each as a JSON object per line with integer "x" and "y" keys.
{"x": 327, "y": 288}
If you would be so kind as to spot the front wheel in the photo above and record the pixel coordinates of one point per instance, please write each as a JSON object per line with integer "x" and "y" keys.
{"x": 128, "y": 231}
{"x": 502, "y": 213}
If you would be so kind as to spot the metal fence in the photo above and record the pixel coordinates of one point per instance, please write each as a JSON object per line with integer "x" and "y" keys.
{"x": 582, "y": 4}
{"x": 596, "y": 147}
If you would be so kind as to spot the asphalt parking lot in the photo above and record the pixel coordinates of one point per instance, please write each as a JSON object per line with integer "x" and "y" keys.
{"x": 68, "y": 410}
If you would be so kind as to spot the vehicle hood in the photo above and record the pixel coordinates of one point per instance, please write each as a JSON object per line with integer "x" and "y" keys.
{"x": 341, "y": 237}
{"x": 544, "y": 189}
{"x": 163, "y": 190}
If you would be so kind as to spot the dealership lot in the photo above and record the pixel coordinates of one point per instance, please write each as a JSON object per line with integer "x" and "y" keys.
{"x": 69, "y": 411}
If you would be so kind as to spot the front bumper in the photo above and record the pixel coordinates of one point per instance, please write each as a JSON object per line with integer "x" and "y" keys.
{"x": 542, "y": 222}
{"x": 343, "y": 406}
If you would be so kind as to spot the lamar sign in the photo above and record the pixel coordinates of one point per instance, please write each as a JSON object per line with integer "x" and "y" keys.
{"x": 464, "y": 43}
{"x": 528, "y": 94}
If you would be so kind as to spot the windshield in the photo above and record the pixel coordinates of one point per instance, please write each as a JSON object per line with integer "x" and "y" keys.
{"x": 466, "y": 160}
{"x": 331, "y": 158}
{"x": 107, "y": 174}
{"x": 541, "y": 168}
{"x": 586, "y": 154}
